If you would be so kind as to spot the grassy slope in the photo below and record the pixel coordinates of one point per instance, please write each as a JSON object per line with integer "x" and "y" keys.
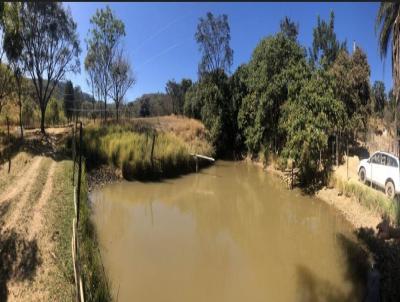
{"x": 61, "y": 213}
{"x": 128, "y": 147}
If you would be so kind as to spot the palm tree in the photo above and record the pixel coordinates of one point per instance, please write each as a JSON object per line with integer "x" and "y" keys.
{"x": 388, "y": 25}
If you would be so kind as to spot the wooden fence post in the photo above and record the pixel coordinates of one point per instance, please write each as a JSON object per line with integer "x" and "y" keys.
{"x": 291, "y": 183}
{"x": 8, "y": 142}
{"x": 337, "y": 148}
{"x": 347, "y": 157}
{"x": 73, "y": 154}
{"x": 79, "y": 173}
{"x": 152, "y": 150}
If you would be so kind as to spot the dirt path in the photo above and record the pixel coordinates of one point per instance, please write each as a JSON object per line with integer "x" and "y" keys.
{"x": 26, "y": 249}
{"x": 38, "y": 211}
{"x": 22, "y": 181}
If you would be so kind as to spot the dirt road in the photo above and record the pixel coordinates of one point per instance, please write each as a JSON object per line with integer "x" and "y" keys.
{"x": 25, "y": 245}
{"x": 29, "y": 267}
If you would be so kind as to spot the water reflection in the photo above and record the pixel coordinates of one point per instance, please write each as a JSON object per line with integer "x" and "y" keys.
{"x": 229, "y": 233}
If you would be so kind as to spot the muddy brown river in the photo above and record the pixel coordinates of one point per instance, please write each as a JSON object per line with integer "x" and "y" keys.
{"x": 232, "y": 232}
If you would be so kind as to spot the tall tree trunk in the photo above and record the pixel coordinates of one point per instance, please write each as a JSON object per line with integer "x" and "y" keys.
{"x": 20, "y": 116}
{"x": 43, "y": 112}
{"x": 105, "y": 105}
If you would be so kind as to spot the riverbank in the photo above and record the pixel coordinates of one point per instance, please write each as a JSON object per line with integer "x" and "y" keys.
{"x": 357, "y": 214}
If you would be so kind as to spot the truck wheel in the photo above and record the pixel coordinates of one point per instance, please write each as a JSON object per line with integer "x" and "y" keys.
{"x": 361, "y": 175}
{"x": 389, "y": 189}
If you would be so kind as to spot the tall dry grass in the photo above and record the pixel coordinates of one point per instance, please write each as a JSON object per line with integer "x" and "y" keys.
{"x": 128, "y": 147}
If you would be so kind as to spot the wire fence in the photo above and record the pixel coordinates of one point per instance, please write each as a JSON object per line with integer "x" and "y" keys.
{"x": 77, "y": 164}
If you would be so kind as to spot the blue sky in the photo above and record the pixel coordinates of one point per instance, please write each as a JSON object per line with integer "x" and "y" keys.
{"x": 160, "y": 36}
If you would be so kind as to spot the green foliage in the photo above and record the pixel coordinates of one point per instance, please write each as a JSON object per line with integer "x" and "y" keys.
{"x": 350, "y": 75}
{"x": 158, "y": 104}
{"x": 50, "y": 47}
{"x": 210, "y": 100}
{"x": 378, "y": 97}
{"x": 267, "y": 80}
{"x": 177, "y": 93}
{"x": 193, "y": 102}
{"x": 54, "y": 114}
{"x": 238, "y": 90}
{"x": 144, "y": 107}
{"x": 387, "y": 15}
{"x": 69, "y": 100}
{"x": 121, "y": 79}
{"x": 325, "y": 46}
{"x": 213, "y": 37}
{"x": 6, "y": 84}
{"x": 308, "y": 118}
{"x": 103, "y": 41}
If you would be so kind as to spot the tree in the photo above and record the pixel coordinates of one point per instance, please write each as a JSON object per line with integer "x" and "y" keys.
{"x": 214, "y": 94}
{"x": 267, "y": 81}
{"x": 69, "y": 101}
{"x": 308, "y": 118}
{"x": 289, "y": 28}
{"x": 53, "y": 114}
{"x": 350, "y": 82}
{"x": 12, "y": 46}
{"x": 378, "y": 97}
{"x": 193, "y": 102}
{"x": 93, "y": 76}
{"x": 6, "y": 75}
{"x": 144, "y": 107}
{"x": 121, "y": 79}
{"x": 213, "y": 37}
{"x": 6, "y": 83}
{"x": 388, "y": 25}
{"x": 49, "y": 47}
{"x": 177, "y": 93}
{"x": 325, "y": 46}
{"x": 103, "y": 40}
{"x": 238, "y": 89}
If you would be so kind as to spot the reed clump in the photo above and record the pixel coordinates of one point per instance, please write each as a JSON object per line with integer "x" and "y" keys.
{"x": 129, "y": 148}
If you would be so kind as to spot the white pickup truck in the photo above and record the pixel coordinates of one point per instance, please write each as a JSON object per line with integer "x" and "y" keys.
{"x": 382, "y": 169}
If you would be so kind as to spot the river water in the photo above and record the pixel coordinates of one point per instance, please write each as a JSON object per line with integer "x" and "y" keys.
{"x": 232, "y": 232}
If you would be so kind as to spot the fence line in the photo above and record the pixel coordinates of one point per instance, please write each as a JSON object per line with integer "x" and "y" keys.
{"x": 80, "y": 297}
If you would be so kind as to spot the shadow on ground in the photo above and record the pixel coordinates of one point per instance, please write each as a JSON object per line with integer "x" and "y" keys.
{"x": 386, "y": 255}
{"x": 19, "y": 258}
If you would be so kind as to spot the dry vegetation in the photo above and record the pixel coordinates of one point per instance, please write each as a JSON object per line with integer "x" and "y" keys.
{"x": 128, "y": 146}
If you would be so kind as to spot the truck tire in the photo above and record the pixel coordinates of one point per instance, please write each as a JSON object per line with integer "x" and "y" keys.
{"x": 362, "y": 175}
{"x": 389, "y": 189}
